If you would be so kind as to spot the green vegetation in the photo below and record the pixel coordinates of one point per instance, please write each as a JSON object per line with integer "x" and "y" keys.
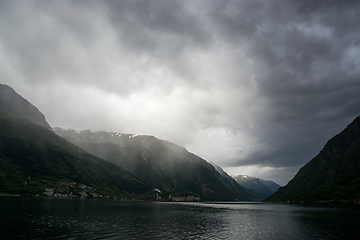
{"x": 33, "y": 159}
{"x": 162, "y": 164}
{"x": 31, "y": 156}
{"x": 333, "y": 175}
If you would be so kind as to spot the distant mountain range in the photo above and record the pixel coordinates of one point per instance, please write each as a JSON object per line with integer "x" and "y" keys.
{"x": 264, "y": 187}
{"x": 333, "y": 175}
{"x": 33, "y": 158}
{"x": 162, "y": 164}
{"x": 259, "y": 188}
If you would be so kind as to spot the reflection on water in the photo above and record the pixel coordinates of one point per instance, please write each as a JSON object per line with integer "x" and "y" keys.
{"x": 51, "y": 218}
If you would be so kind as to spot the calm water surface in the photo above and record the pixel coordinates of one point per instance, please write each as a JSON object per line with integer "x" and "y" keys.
{"x": 51, "y": 218}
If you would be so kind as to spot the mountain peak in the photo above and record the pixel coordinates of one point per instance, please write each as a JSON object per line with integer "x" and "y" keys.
{"x": 264, "y": 187}
{"x": 12, "y": 105}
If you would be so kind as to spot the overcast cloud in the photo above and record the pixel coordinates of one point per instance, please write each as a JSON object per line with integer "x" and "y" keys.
{"x": 257, "y": 87}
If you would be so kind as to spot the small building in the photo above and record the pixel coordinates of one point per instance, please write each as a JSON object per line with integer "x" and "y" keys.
{"x": 49, "y": 192}
{"x": 190, "y": 198}
{"x": 179, "y": 198}
{"x": 83, "y": 194}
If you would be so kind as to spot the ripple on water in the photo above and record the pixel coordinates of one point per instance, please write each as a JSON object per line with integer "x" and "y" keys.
{"x": 150, "y": 220}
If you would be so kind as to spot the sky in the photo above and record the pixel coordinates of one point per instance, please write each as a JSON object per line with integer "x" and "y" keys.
{"x": 256, "y": 87}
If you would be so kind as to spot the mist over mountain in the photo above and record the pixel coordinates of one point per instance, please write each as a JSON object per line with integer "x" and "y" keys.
{"x": 33, "y": 157}
{"x": 164, "y": 165}
{"x": 12, "y": 105}
{"x": 333, "y": 175}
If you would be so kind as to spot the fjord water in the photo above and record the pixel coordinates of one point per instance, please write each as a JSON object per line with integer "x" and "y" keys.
{"x": 52, "y": 218}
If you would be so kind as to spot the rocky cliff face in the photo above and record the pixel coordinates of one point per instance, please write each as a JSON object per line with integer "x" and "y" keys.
{"x": 12, "y": 105}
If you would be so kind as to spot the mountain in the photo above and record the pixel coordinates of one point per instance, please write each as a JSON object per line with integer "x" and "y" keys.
{"x": 28, "y": 151}
{"x": 162, "y": 164}
{"x": 221, "y": 171}
{"x": 261, "y": 186}
{"x": 273, "y": 186}
{"x": 33, "y": 157}
{"x": 258, "y": 196}
{"x": 12, "y": 105}
{"x": 333, "y": 175}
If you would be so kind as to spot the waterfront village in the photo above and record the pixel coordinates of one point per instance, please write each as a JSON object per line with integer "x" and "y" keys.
{"x": 74, "y": 190}
{"x": 173, "y": 196}
{"x": 70, "y": 189}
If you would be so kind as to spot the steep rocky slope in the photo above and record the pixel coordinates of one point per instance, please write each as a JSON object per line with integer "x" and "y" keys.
{"x": 332, "y": 175}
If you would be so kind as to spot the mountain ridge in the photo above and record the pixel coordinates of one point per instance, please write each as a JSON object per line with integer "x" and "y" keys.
{"x": 28, "y": 150}
{"x": 332, "y": 175}
{"x": 32, "y": 155}
{"x": 133, "y": 152}
{"x": 12, "y": 105}
{"x": 261, "y": 186}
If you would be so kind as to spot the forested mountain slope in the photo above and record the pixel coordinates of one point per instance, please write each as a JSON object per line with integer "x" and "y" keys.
{"x": 334, "y": 174}
{"x": 32, "y": 156}
{"x": 164, "y": 165}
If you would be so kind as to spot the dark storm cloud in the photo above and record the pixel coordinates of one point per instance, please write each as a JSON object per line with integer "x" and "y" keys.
{"x": 259, "y": 84}
{"x": 166, "y": 30}
{"x": 307, "y": 70}
{"x": 142, "y": 25}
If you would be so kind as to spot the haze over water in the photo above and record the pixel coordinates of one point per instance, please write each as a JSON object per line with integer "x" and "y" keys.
{"x": 50, "y": 218}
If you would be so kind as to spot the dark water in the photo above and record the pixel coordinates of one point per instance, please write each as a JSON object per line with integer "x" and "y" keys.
{"x": 51, "y": 218}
